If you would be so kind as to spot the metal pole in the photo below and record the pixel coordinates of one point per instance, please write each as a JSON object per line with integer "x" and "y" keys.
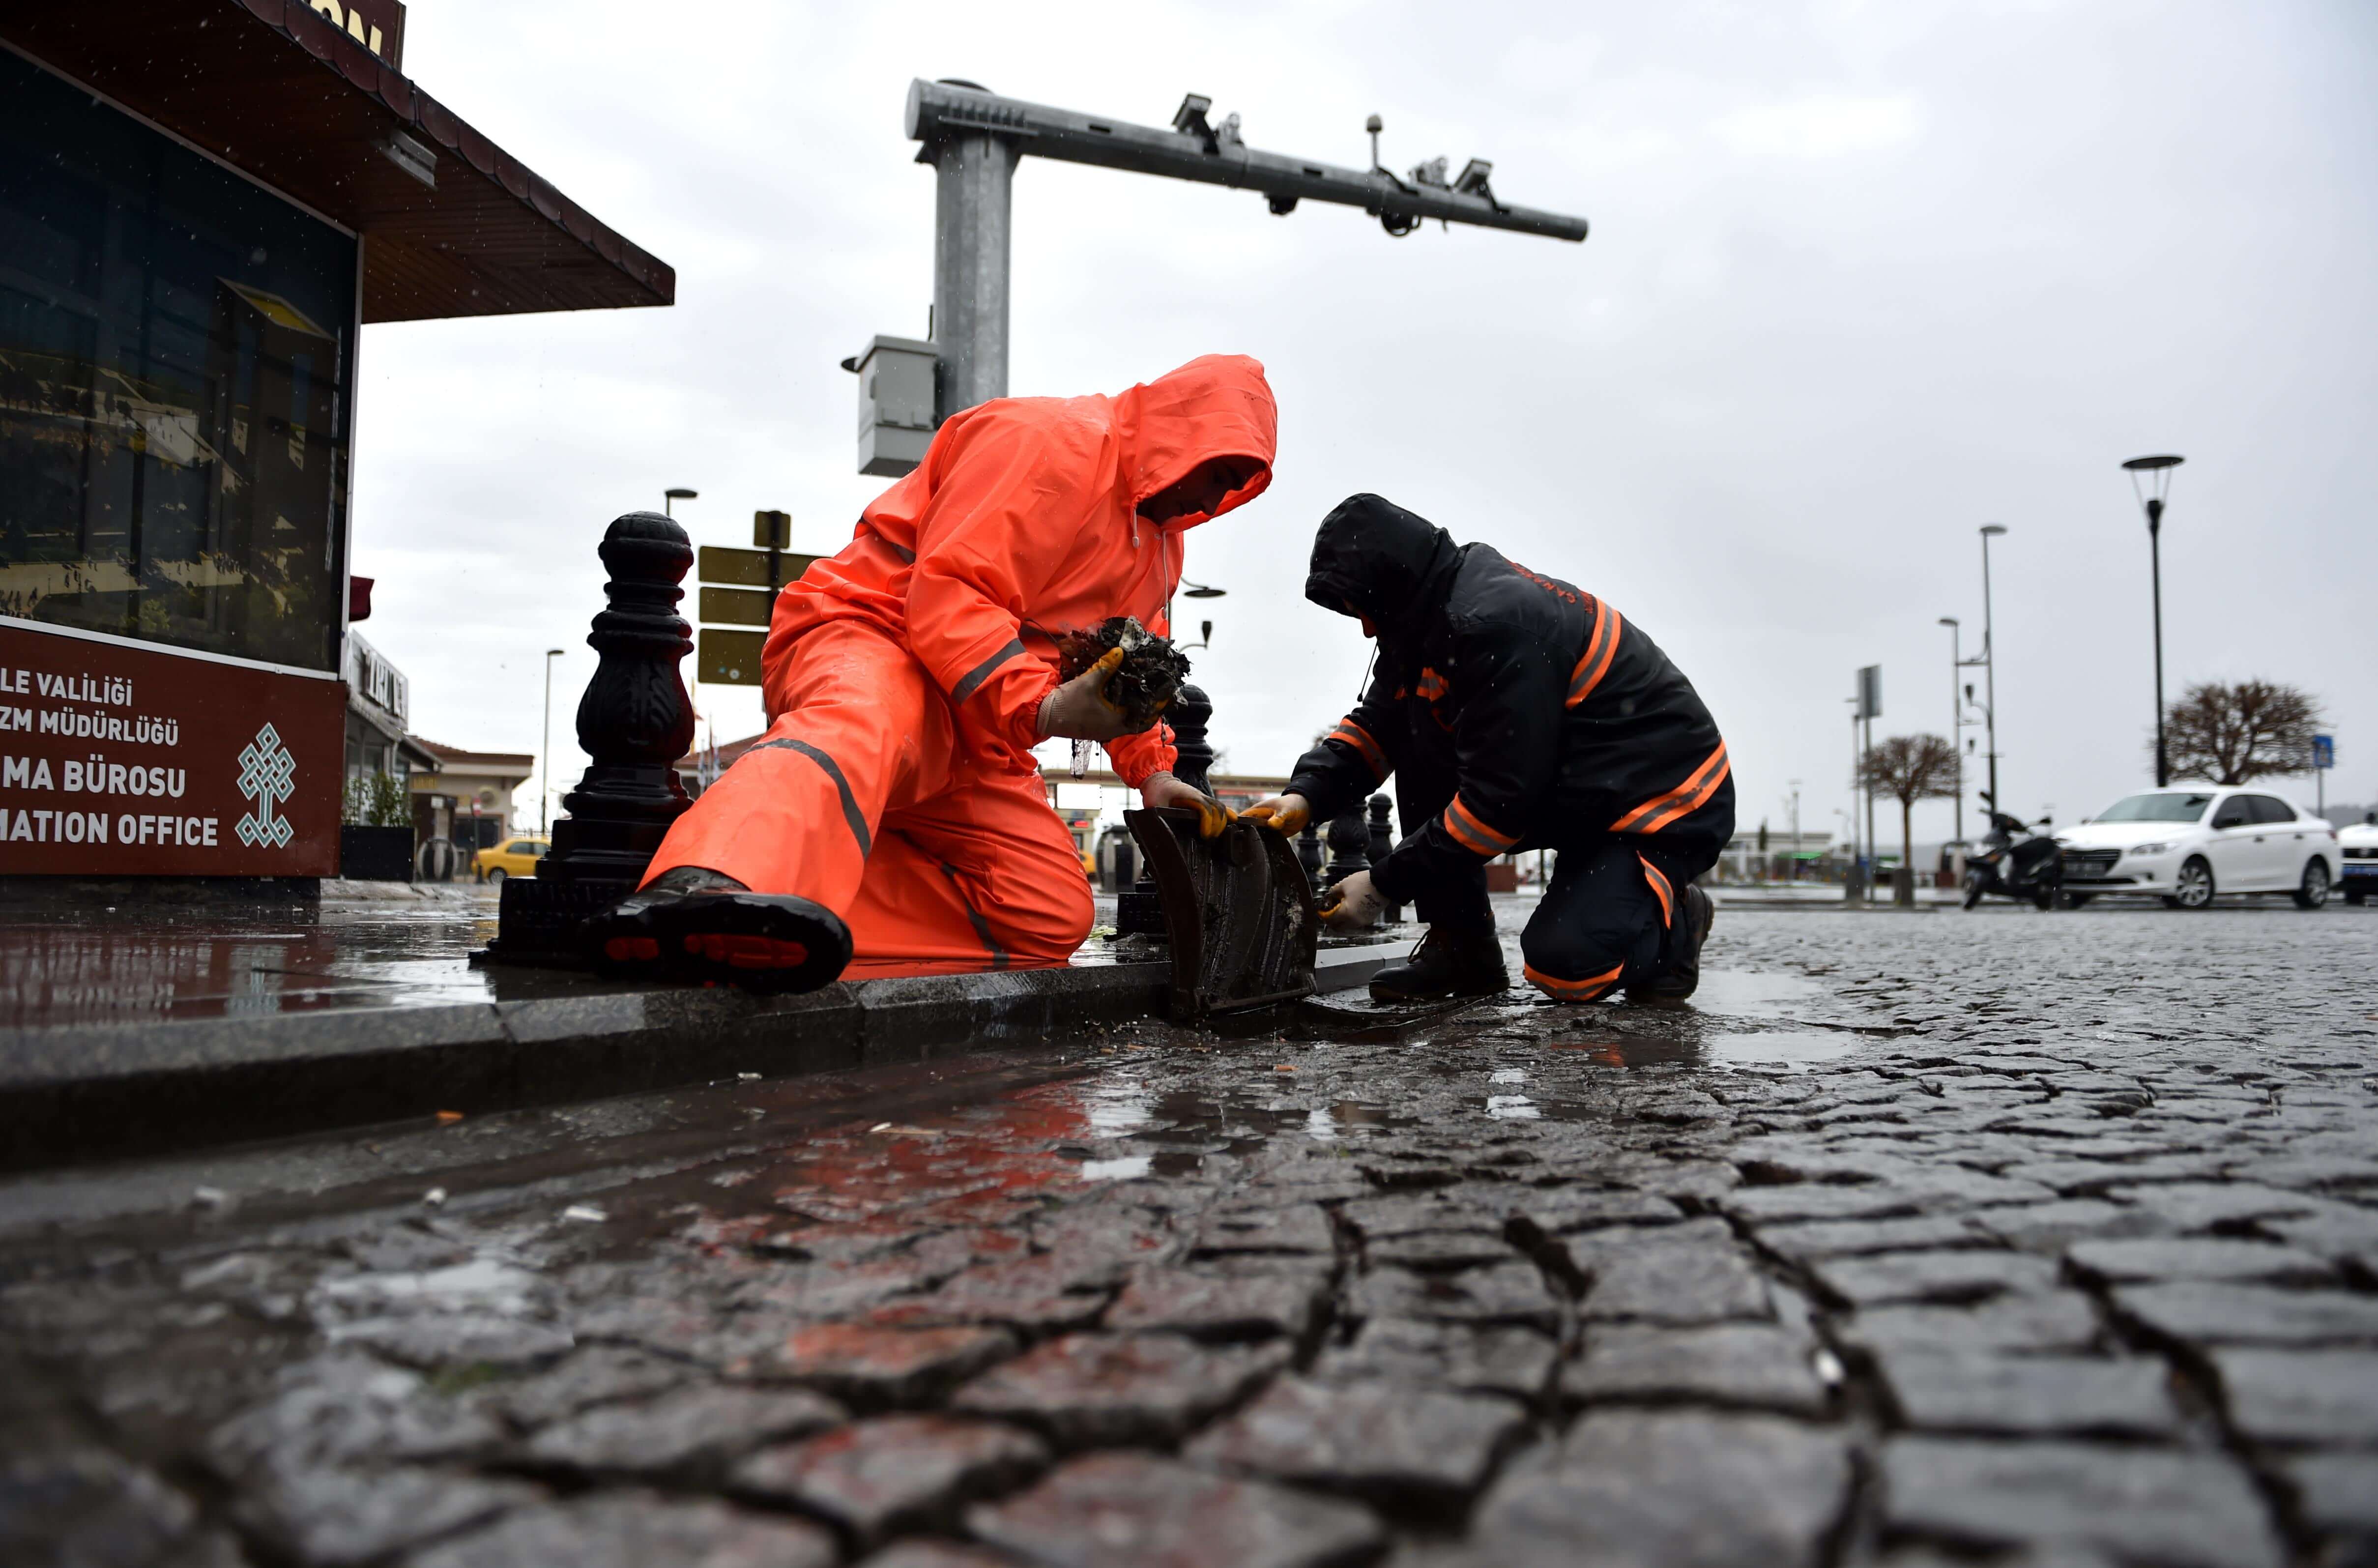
{"x": 1991, "y": 676}
{"x": 1873, "y": 857}
{"x": 973, "y": 211}
{"x": 2154, "y": 558}
{"x": 1857, "y": 851}
{"x": 1956, "y": 722}
{"x": 545, "y": 757}
{"x": 1191, "y": 149}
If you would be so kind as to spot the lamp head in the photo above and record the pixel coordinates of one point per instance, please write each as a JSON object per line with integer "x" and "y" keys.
{"x": 679, "y": 493}
{"x": 1949, "y": 620}
{"x": 2151, "y": 482}
{"x": 1992, "y": 530}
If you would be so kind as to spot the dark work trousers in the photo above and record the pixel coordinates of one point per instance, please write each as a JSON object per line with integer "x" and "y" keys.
{"x": 1604, "y": 922}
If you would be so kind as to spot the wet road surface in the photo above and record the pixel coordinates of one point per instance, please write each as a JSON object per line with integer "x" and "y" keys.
{"x": 1919, "y": 1239}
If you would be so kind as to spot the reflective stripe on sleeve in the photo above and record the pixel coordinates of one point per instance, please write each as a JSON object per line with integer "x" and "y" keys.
{"x": 1472, "y": 832}
{"x": 1360, "y": 739}
{"x": 984, "y": 671}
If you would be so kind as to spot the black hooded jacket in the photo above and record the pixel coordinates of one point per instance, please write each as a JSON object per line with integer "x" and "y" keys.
{"x": 1556, "y": 718}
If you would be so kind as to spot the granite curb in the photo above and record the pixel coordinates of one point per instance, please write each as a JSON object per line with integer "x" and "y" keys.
{"x": 90, "y": 1091}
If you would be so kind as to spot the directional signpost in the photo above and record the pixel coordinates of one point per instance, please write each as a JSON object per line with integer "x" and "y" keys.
{"x": 738, "y": 591}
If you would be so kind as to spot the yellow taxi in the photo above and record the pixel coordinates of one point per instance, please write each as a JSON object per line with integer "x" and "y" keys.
{"x": 514, "y": 857}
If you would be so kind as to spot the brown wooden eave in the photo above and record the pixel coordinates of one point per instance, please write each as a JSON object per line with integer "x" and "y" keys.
{"x": 275, "y": 90}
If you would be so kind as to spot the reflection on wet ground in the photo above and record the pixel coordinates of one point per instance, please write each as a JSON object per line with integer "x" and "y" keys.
{"x": 1142, "y": 1101}
{"x": 842, "y": 1230}
{"x": 106, "y": 966}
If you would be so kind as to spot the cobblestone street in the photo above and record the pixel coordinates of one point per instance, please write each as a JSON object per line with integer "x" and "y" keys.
{"x": 2003, "y": 1237}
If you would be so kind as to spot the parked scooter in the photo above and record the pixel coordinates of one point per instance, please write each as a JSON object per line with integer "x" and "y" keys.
{"x": 2015, "y": 862}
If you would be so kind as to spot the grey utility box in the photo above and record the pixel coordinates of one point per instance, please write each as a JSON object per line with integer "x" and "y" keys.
{"x": 895, "y": 404}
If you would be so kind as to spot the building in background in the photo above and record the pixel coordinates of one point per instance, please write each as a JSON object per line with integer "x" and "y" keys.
{"x": 465, "y": 795}
{"x": 378, "y": 706}
{"x": 1781, "y": 857}
{"x": 202, "y": 203}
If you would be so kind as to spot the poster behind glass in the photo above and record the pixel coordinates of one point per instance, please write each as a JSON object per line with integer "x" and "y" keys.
{"x": 176, "y": 357}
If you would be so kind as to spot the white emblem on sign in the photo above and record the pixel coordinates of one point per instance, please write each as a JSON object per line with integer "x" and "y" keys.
{"x": 268, "y": 775}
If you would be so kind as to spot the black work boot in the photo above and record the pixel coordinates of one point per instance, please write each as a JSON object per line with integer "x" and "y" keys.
{"x": 1447, "y": 964}
{"x": 1682, "y": 976}
{"x": 693, "y": 924}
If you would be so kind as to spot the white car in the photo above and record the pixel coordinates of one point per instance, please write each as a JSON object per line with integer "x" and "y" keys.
{"x": 2359, "y": 844}
{"x": 2189, "y": 843}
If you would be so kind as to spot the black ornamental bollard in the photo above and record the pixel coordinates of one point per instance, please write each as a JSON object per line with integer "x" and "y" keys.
{"x": 634, "y": 722}
{"x": 1308, "y": 851}
{"x": 1191, "y": 711}
{"x": 1350, "y": 845}
{"x": 1138, "y": 912}
{"x": 1383, "y": 839}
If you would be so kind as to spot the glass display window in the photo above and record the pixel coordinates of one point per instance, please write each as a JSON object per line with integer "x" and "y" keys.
{"x": 177, "y": 373}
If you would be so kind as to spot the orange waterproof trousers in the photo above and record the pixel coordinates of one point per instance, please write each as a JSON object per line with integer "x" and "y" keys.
{"x": 856, "y": 799}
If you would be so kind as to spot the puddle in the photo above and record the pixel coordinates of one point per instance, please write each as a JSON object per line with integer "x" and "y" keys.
{"x": 1791, "y": 1047}
{"x": 1739, "y": 993}
{"x": 1125, "y": 1169}
{"x": 1736, "y": 1020}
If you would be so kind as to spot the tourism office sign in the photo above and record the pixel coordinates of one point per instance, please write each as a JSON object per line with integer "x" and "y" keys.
{"x": 125, "y": 758}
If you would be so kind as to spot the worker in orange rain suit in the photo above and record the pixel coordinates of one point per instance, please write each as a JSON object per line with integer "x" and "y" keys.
{"x": 1516, "y": 713}
{"x": 892, "y": 819}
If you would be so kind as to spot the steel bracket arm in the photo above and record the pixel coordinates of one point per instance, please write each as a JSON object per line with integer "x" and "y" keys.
{"x": 940, "y": 109}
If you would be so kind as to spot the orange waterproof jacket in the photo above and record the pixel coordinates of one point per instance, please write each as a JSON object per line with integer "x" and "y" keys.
{"x": 1021, "y": 524}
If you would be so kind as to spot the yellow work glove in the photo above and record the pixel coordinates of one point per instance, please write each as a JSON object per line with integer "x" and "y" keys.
{"x": 1163, "y": 789}
{"x": 1079, "y": 710}
{"x": 1353, "y": 904}
{"x": 1283, "y": 814}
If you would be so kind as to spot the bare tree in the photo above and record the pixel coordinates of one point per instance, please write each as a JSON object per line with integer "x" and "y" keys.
{"x": 1910, "y": 767}
{"x": 2233, "y": 734}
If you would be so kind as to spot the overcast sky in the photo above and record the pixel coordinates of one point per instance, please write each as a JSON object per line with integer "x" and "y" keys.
{"x": 1862, "y": 278}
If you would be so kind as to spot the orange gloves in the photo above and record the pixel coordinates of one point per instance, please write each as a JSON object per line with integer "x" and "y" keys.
{"x": 1283, "y": 814}
{"x": 1079, "y": 710}
{"x": 1163, "y": 789}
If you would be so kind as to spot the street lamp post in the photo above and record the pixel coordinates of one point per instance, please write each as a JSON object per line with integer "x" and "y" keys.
{"x": 672, "y": 495}
{"x": 2150, "y": 491}
{"x": 545, "y": 757}
{"x": 1856, "y": 889}
{"x": 1956, "y": 719}
{"x": 1990, "y": 665}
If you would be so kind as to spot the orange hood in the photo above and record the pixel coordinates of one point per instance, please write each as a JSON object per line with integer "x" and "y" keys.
{"x": 1217, "y": 405}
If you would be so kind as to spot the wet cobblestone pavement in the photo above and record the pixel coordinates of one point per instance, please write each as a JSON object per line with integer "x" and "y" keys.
{"x": 2007, "y": 1238}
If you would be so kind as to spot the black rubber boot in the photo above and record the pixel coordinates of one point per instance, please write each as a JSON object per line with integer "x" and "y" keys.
{"x": 698, "y": 924}
{"x": 1447, "y": 964}
{"x": 1682, "y": 976}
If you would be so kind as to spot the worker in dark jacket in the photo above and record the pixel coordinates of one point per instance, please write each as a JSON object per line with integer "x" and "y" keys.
{"x": 1516, "y": 713}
